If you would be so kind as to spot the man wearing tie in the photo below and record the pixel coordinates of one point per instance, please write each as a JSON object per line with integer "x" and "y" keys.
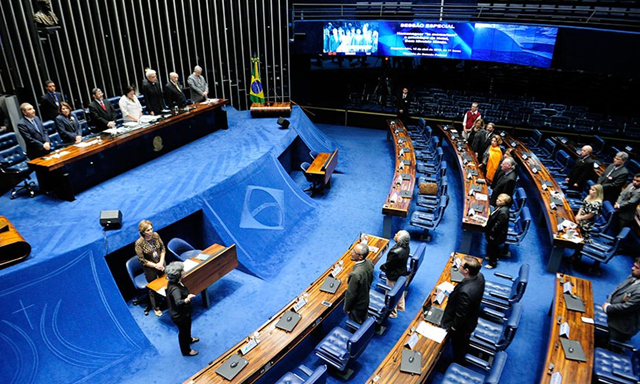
{"x": 50, "y": 101}
{"x": 614, "y": 177}
{"x": 404, "y": 102}
{"x": 627, "y": 203}
{"x": 152, "y": 93}
{"x": 102, "y": 114}
{"x": 33, "y": 132}
{"x": 623, "y": 307}
{"x": 581, "y": 171}
{"x": 173, "y": 95}
{"x": 505, "y": 182}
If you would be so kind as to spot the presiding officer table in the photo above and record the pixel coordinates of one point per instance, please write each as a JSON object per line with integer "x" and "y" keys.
{"x": 539, "y": 175}
{"x": 572, "y": 371}
{"x": 78, "y": 167}
{"x": 398, "y": 200}
{"x": 389, "y": 370}
{"x": 274, "y": 343}
{"x": 476, "y": 204}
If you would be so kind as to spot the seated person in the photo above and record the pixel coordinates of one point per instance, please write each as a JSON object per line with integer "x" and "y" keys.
{"x": 67, "y": 125}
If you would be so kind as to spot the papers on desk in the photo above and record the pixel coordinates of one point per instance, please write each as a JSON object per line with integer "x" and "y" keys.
{"x": 430, "y": 332}
{"x": 189, "y": 265}
{"x": 148, "y": 118}
{"x": 203, "y": 257}
{"x": 59, "y": 154}
{"x": 569, "y": 224}
{"x": 572, "y": 238}
{"x": 85, "y": 144}
{"x": 162, "y": 291}
{"x": 587, "y": 320}
{"x": 130, "y": 124}
{"x": 373, "y": 248}
{"x": 481, "y": 196}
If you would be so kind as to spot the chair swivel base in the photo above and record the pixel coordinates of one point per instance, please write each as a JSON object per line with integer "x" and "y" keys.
{"x": 344, "y": 375}
{"x": 29, "y": 186}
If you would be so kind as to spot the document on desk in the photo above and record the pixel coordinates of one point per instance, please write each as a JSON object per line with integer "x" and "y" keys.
{"x": 162, "y": 291}
{"x": 482, "y": 197}
{"x": 148, "y": 118}
{"x": 189, "y": 265}
{"x": 430, "y": 332}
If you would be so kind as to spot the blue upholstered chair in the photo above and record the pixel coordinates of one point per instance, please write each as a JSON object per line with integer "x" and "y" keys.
{"x": 436, "y": 176}
{"x": 603, "y": 222}
{"x": 80, "y": 114}
{"x": 306, "y": 376}
{"x": 562, "y": 164}
{"x": 600, "y": 319}
{"x": 8, "y": 140}
{"x": 491, "y": 337}
{"x": 491, "y": 373}
{"x": 56, "y": 141}
{"x": 181, "y": 249}
{"x": 502, "y": 296}
{"x": 601, "y": 251}
{"x": 382, "y": 303}
{"x": 429, "y": 220}
{"x": 49, "y": 126}
{"x": 518, "y": 230}
{"x": 617, "y": 368}
{"x": 430, "y": 202}
{"x": 428, "y": 145}
{"x": 136, "y": 274}
{"x": 545, "y": 152}
{"x": 13, "y": 165}
{"x": 340, "y": 347}
{"x": 519, "y": 201}
{"x": 314, "y": 187}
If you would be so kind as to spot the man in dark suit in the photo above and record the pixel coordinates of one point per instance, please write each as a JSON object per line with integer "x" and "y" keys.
{"x": 460, "y": 316}
{"x": 505, "y": 182}
{"x": 103, "y": 115}
{"x": 356, "y": 301}
{"x": 50, "y": 101}
{"x": 627, "y": 203}
{"x": 404, "y": 102}
{"x": 581, "y": 171}
{"x": 623, "y": 307}
{"x": 173, "y": 95}
{"x": 152, "y": 93}
{"x": 614, "y": 177}
{"x": 33, "y": 132}
{"x": 497, "y": 228}
{"x": 482, "y": 140}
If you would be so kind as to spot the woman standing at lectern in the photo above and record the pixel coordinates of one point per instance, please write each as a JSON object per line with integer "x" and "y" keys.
{"x": 150, "y": 250}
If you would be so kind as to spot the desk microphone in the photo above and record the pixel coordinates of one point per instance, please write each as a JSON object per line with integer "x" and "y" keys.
{"x": 234, "y": 364}
{"x": 289, "y": 318}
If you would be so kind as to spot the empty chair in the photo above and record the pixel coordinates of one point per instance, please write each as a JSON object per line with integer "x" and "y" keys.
{"x": 583, "y": 125}
{"x": 426, "y": 149}
{"x": 49, "y": 126}
{"x": 561, "y": 165}
{"x": 491, "y": 337}
{"x": 518, "y": 230}
{"x": 80, "y": 114}
{"x": 430, "y": 202}
{"x": 600, "y": 319}
{"x": 340, "y": 347}
{"x": 560, "y": 123}
{"x": 519, "y": 201}
{"x": 545, "y": 152}
{"x": 537, "y": 120}
{"x": 458, "y": 374}
{"x": 415, "y": 261}
{"x": 603, "y": 252}
{"x": 181, "y": 249}
{"x": 305, "y": 375}
{"x": 315, "y": 185}
{"x": 449, "y": 111}
{"x": 609, "y": 127}
{"x": 548, "y": 112}
{"x": 56, "y": 141}
{"x": 558, "y": 107}
{"x": 502, "y": 296}
{"x": 604, "y": 220}
{"x": 617, "y": 368}
{"x": 432, "y": 166}
{"x": 429, "y": 220}
{"x": 381, "y": 304}
{"x": 537, "y": 105}
{"x": 136, "y": 274}
{"x": 8, "y": 140}
{"x": 633, "y": 166}
{"x": 534, "y": 140}
{"x": 13, "y": 164}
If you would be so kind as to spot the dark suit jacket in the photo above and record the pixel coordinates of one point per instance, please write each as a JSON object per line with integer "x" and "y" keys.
{"x": 506, "y": 183}
{"x": 396, "y": 264}
{"x": 580, "y": 173}
{"x": 627, "y": 202}
{"x": 612, "y": 184}
{"x": 463, "y": 308}
{"x": 48, "y": 106}
{"x": 623, "y": 314}
{"x": 404, "y": 103}
{"x": 99, "y": 117}
{"x": 152, "y": 96}
{"x": 178, "y": 308}
{"x": 357, "y": 296}
{"x": 34, "y": 137}
{"x": 173, "y": 97}
{"x": 498, "y": 225}
{"x": 67, "y": 128}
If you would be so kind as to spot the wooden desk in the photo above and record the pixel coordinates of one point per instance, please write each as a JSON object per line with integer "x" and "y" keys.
{"x": 13, "y": 247}
{"x": 389, "y": 370}
{"x": 551, "y": 216}
{"x": 270, "y": 109}
{"x": 573, "y": 149}
{"x": 395, "y": 205}
{"x": 74, "y": 168}
{"x": 468, "y": 164}
{"x": 323, "y": 166}
{"x": 223, "y": 260}
{"x": 275, "y": 343}
{"x": 571, "y": 371}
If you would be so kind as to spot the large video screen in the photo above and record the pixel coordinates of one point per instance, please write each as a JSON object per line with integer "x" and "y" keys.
{"x": 505, "y": 43}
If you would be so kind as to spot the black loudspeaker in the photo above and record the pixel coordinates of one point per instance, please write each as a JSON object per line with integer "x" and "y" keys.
{"x": 283, "y": 123}
{"x": 111, "y": 219}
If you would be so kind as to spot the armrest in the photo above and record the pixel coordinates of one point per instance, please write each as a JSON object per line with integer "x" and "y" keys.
{"x": 495, "y": 314}
{"x": 625, "y": 375}
{"x": 478, "y": 362}
{"x": 306, "y": 370}
{"x": 483, "y": 339}
{"x": 504, "y": 276}
{"x": 620, "y": 344}
{"x": 353, "y": 325}
{"x": 499, "y": 296}
{"x": 384, "y": 287}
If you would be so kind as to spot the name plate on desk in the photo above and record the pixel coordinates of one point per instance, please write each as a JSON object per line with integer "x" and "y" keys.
{"x": 406, "y": 162}
{"x": 406, "y": 194}
{"x": 232, "y": 367}
{"x": 405, "y": 176}
{"x": 556, "y": 378}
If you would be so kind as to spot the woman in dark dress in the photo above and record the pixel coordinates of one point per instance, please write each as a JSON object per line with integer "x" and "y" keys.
{"x": 396, "y": 265}
{"x": 150, "y": 250}
{"x": 589, "y": 211}
{"x": 179, "y": 300}
{"x": 67, "y": 125}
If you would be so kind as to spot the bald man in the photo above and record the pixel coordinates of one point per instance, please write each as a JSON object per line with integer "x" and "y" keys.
{"x": 582, "y": 170}
{"x": 356, "y": 302}
{"x": 173, "y": 95}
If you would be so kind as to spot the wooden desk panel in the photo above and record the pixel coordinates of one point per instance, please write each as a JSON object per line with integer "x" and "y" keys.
{"x": 401, "y": 205}
{"x": 389, "y": 370}
{"x": 571, "y": 371}
{"x": 13, "y": 247}
{"x": 275, "y": 343}
{"x": 323, "y": 166}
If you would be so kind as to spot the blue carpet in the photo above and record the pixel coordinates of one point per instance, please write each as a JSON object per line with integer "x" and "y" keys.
{"x": 64, "y": 320}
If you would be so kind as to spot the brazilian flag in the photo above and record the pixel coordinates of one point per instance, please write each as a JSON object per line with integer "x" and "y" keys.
{"x": 256, "y": 95}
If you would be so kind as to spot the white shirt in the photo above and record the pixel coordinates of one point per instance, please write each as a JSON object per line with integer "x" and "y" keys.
{"x": 129, "y": 107}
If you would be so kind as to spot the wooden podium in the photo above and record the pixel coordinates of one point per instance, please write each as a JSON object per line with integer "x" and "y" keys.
{"x": 270, "y": 109}
{"x": 13, "y": 248}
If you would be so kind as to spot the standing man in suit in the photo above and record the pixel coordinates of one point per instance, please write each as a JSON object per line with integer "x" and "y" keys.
{"x": 497, "y": 228}
{"x": 404, "y": 102}
{"x": 627, "y": 203}
{"x": 623, "y": 307}
{"x": 470, "y": 117}
{"x": 173, "y": 95}
{"x": 152, "y": 93}
{"x": 356, "y": 301}
{"x": 581, "y": 171}
{"x": 506, "y": 180}
{"x": 198, "y": 85}
{"x": 102, "y": 113}
{"x": 33, "y": 132}
{"x": 396, "y": 265}
{"x": 50, "y": 101}
{"x": 482, "y": 140}
{"x": 614, "y": 177}
{"x": 460, "y": 316}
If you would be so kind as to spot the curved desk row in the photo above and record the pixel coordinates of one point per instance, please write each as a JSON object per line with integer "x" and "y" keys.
{"x": 77, "y": 167}
{"x": 553, "y": 204}
{"x": 398, "y": 200}
{"x": 13, "y": 247}
{"x": 476, "y": 209}
{"x": 274, "y": 343}
{"x": 389, "y": 370}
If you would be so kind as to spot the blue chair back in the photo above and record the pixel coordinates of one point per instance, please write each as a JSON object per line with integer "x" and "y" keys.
{"x": 597, "y": 144}
{"x": 304, "y": 166}
{"x": 49, "y": 126}
{"x": 415, "y": 261}
{"x": 178, "y": 246}
{"x": 134, "y": 269}
{"x": 519, "y": 285}
{"x": 12, "y": 156}
{"x": 56, "y": 141}
{"x": 8, "y": 140}
{"x": 319, "y": 376}
{"x": 358, "y": 341}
